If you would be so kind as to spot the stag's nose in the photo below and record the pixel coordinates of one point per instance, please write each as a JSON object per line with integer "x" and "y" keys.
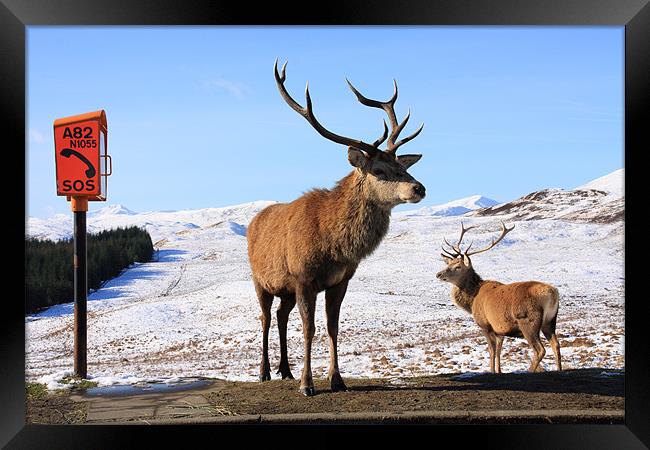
{"x": 419, "y": 190}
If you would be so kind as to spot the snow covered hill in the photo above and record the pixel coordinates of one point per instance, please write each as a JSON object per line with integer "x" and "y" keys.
{"x": 599, "y": 201}
{"x": 193, "y": 311}
{"x": 612, "y": 183}
{"x": 454, "y": 208}
{"x": 160, "y": 224}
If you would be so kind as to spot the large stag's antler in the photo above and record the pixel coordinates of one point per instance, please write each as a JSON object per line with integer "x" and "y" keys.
{"x": 389, "y": 108}
{"x": 371, "y": 149}
{"x": 308, "y": 114}
{"x": 456, "y": 250}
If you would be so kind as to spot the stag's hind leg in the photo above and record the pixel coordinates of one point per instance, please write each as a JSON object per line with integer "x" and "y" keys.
{"x": 266, "y": 300}
{"x": 498, "y": 352}
{"x": 492, "y": 345}
{"x": 286, "y": 305}
{"x": 530, "y": 330}
{"x": 333, "y": 299}
{"x": 549, "y": 332}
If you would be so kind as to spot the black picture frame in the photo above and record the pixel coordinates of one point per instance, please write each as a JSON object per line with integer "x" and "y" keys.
{"x": 634, "y": 15}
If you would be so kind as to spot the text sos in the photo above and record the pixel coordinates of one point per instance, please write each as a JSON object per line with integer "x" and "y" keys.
{"x": 78, "y": 185}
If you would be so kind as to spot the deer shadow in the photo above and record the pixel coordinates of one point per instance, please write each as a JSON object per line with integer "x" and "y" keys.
{"x": 595, "y": 381}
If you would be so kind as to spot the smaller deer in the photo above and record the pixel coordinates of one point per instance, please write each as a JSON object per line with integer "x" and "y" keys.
{"x": 516, "y": 309}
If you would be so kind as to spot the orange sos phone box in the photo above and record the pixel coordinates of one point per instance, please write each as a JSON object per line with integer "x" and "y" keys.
{"x": 80, "y": 144}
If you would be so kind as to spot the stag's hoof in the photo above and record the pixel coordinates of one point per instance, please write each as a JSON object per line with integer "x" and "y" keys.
{"x": 308, "y": 391}
{"x": 337, "y": 384}
{"x": 286, "y": 374}
{"x": 265, "y": 377}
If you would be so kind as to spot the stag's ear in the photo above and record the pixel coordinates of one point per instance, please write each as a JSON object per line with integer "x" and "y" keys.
{"x": 358, "y": 158}
{"x": 467, "y": 261}
{"x": 408, "y": 160}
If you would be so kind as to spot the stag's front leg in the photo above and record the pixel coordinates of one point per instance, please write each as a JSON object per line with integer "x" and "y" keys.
{"x": 333, "y": 299}
{"x": 306, "y": 301}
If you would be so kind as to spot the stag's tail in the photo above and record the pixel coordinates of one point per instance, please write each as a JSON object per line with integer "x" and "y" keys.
{"x": 551, "y": 308}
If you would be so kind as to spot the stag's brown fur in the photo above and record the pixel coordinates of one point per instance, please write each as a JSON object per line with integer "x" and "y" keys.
{"x": 519, "y": 309}
{"x": 318, "y": 238}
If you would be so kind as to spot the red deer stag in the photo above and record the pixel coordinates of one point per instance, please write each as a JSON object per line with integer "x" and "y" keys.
{"x": 316, "y": 242}
{"x": 515, "y": 309}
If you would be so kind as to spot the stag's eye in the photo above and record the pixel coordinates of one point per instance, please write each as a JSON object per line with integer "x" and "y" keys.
{"x": 378, "y": 173}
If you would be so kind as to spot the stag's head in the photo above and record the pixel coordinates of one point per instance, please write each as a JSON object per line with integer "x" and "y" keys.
{"x": 385, "y": 173}
{"x": 459, "y": 265}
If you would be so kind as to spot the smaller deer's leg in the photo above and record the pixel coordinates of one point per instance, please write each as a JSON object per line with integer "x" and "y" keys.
{"x": 282, "y": 314}
{"x": 531, "y": 333}
{"x": 306, "y": 301}
{"x": 333, "y": 299}
{"x": 498, "y": 352}
{"x": 551, "y": 337}
{"x": 266, "y": 300}
{"x": 491, "y": 338}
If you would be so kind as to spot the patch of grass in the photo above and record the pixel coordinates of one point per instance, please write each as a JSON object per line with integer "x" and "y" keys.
{"x": 78, "y": 383}
{"x": 35, "y": 391}
{"x": 52, "y": 407}
{"x": 86, "y": 384}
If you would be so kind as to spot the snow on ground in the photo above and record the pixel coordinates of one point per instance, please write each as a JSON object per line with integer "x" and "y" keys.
{"x": 193, "y": 312}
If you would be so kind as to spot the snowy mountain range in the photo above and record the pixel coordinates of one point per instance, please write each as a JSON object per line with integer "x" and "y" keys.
{"x": 599, "y": 201}
{"x": 159, "y": 224}
{"x": 455, "y": 208}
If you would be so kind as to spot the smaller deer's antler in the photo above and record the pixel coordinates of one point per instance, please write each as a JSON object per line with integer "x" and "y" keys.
{"x": 504, "y": 231}
{"x": 456, "y": 247}
{"x": 456, "y": 251}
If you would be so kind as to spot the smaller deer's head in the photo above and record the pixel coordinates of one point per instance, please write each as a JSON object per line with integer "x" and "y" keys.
{"x": 456, "y": 271}
{"x": 459, "y": 265}
{"x": 385, "y": 174}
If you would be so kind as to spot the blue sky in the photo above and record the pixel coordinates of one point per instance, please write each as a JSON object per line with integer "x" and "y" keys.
{"x": 195, "y": 119}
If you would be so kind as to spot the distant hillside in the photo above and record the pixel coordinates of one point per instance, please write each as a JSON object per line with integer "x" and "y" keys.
{"x": 454, "y": 208}
{"x": 612, "y": 183}
{"x": 583, "y": 204}
{"x": 158, "y": 223}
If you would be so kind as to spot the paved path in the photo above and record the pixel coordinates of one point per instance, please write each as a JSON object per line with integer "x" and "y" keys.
{"x": 143, "y": 407}
{"x": 190, "y": 406}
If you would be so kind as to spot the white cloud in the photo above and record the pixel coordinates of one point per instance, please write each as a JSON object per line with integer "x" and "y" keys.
{"x": 35, "y": 137}
{"x": 235, "y": 88}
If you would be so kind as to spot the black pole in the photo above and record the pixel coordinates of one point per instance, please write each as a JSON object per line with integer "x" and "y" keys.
{"x": 80, "y": 293}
